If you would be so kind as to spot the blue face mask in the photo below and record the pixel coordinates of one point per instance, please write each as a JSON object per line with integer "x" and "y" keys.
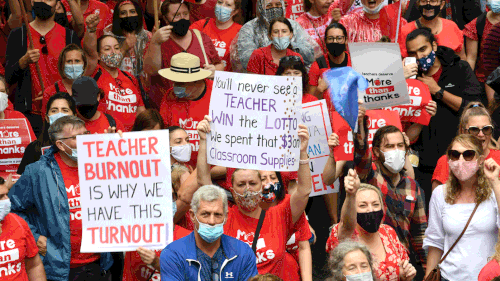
{"x": 74, "y": 153}
{"x": 54, "y": 117}
{"x": 4, "y": 208}
{"x": 494, "y": 6}
{"x": 180, "y": 92}
{"x": 223, "y": 14}
{"x": 73, "y": 71}
{"x": 281, "y": 43}
{"x": 366, "y": 276}
{"x": 210, "y": 233}
{"x": 427, "y": 62}
{"x": 174, "y": 208}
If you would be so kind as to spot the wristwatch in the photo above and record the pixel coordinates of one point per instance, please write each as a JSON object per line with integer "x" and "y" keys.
{"x": 439, "y": 94}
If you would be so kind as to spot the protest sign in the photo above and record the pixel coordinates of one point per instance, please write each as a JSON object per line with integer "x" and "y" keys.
{"x": 415, "y": 111}
{"x": 378, "y": 119}
{"x": 125, "y": 191}
{"x": 15, "y": 135}
{"x": 380, "y": 64}
{"x": 255, "y": 119}
{"x": 315, "y": 117}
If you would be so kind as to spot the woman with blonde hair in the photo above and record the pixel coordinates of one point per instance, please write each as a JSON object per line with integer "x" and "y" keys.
{"x": 360, "y": 220}
{"x": 475, "y": 120}
{"x": 464, "y": 212}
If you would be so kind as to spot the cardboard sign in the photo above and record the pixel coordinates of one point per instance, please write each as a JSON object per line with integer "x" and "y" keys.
{"x": 255, "y": 120}
{"x": 126, "y": 192}
{"x": 380, "y": 64}
{"x": 315, "y": 117}
{"x": 415, "y": 111}
{"x": 378, "y": 119}
{"x": 15, "y": 135}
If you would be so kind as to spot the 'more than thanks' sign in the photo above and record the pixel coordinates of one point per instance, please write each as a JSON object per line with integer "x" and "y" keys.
{"x": 125, "y": 191}
{"x": 380, "y": 64}
{"x": 255, "y": 119}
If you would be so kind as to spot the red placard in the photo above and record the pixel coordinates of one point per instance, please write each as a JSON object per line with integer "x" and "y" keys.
{"x": 15, "y": 135}
{"x": 378, "y": 118}
{"x": 415, "y": 111}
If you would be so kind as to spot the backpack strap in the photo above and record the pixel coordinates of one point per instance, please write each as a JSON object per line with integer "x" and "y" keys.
{"x": 97, "y": 75}
{"x": 480, "y": 24}
{"x": 145, "y": 97}
{"x": 257, "y": 231}
{"x": 206, "y": 22}
{"x": 57, "y": 87}
{"x": 419, "y": 24}
{"x": 111, "y": 120}
{"x": 322, "y": 62}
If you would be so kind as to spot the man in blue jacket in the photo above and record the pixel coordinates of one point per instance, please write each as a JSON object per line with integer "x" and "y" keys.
{"x": 47, "y": 196}
{"x": 207, "y": 254}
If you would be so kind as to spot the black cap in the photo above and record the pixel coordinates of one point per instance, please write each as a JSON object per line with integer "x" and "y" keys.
{"x": 85, "y": 91}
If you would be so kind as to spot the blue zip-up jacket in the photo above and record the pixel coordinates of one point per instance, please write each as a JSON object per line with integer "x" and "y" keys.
{"x": 178, "y": 261}
{"x": 40, "y": 198}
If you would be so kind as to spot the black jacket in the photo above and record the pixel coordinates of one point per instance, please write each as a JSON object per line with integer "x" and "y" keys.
{"x": 456, "y": 78}
{"x": 462, "y": 11}
{"x": 17, "y": 46}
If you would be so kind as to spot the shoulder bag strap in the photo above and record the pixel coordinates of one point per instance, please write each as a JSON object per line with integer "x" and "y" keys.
{"x": 257, "y": 231}
{"x": 198, "y": 35}
{"x": 461, "y": 234}
{"x": 419, "y": 24}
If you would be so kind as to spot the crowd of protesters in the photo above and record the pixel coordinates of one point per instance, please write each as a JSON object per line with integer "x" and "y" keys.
{"x": 75, "y": 67}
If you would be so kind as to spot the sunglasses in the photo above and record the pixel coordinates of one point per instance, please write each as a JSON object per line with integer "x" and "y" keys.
{"x": 291, "y": 58}
{"x": 454, "y": 155}
{"x": 487, "y": 130}
{"x": 44, "y": 43}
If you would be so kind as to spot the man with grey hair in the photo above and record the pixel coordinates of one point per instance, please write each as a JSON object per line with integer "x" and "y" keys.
{"x": 47, "y": 196}
{"x": 207, "y": 254}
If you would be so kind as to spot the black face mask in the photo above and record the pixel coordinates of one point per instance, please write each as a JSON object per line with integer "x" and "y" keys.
{"x": 42, "y": 10}
{"x": 87, "y": 111}
{"x": 180, "y": 27}
{"x": 436, "y": 9}
{"x": 129, "y": 24}
{"x": 335, "y": 49}
{"x": 61, "y": 19}
{"x": 370, "y": 222}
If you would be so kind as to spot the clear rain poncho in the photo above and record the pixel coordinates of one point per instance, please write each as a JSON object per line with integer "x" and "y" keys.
{"x": 254, "y": 35}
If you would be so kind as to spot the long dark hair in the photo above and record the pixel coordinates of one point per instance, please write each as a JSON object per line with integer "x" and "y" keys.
{"x": 336, "y": 25}
{"x": 116, "y": 29}
{"x": 148, "y": 119}
{"x": 43, "y": 139}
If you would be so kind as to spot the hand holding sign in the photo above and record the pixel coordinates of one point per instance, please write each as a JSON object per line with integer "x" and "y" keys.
{"x": 351, "y": 182}
{"x": 204, "y": 127}
{"x": 333, "y": 141}
{"x": 431, "y": 108}
{"x": 304, "y": 137}
{"x": 147, "y": 256}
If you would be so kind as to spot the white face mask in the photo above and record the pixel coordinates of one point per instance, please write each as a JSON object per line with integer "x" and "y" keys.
{"x": 366, "y": 276}
{"x": 181, "y": 153}
{"x": 394, "y": 160}
{"x": 374, "y": 11}
{"x": 4, "y": 208}
{"x": 4, "y": 101}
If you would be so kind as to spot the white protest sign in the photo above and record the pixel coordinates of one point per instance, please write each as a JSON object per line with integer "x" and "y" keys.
{"x": 315, "y": 117}
{"x": 126, "y": 192}
{"x": 255, "y": 119}
{"x": 380, "y": 64}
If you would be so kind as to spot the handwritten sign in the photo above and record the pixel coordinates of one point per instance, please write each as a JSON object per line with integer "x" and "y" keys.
{"x": 126, "y": 192}
{"x": 378, "y": 119}
{"x": 15, "y": 135}
{"x": 380, "y": 64}
{"x": 414, "y": 111}
{"x": 255, "y": 119}
{"x": 315, "y": 117}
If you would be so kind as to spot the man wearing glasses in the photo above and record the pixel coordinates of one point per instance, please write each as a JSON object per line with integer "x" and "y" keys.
{"x": 47, "y": 196}
{"x": 49, "y": 38}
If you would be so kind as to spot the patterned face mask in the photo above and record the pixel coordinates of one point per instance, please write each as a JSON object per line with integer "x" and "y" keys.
{"x": 248, "y": 201}
{"x": 112, "y": 60}
{"x": 273, "y": 13}
{"x": 427, "y": 62}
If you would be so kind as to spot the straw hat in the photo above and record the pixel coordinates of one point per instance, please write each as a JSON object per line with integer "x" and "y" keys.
{"x": 184, "y": 67}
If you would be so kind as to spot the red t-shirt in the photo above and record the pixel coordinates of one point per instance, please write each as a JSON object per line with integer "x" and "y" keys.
{"x": 303, "y": 234}
{"x": 261, "y": 61}
{"x": 489, "y": 271}
{"x": 470, "y": 31}
{"x": 437, "y": 75}
{"x": 95, "y": 7}
{"x": 160, "y": 85}
{"x": 315, "y": 72}
{"x": 308, "y": 98}
{"x": 187, "y": 114}
{"x": 100, "y": 124}
{"x": 450, "y": 36}
{"x": 271, "y": 245}
{"x": 221, "y": 38}
{"x": 442, "y": 172}
{"x": 135, "y": 270}
{"x": 18, "y": 244}
{"x": 55, "y": 41}
{"x": 121, "y": 96}
{"x": 71, "y": 181}
{"x": 50, "y": 91}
